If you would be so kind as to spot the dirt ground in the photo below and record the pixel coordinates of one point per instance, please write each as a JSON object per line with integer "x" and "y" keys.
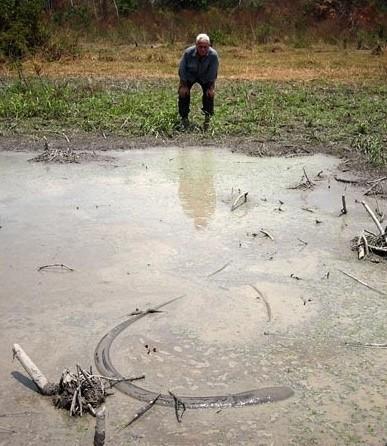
{"x": 149, "y": 221}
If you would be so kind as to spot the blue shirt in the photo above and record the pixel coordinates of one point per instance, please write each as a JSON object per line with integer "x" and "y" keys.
{"x": 193, "y": 68}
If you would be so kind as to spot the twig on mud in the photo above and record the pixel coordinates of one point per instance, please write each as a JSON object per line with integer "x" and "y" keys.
{"x": 220, "y": 269}
{"x": 240, "y": 199}
{"x": 303, "y": 241}
{"x": 179, "y": 407}
{"x": 115, "y": 381}
{"x": 7, "y": 430}
{"x": 308, "y": 210}
{"x": 366, "y": 344}
{"x": 136, "y": 312}
{"x": 363, "y": 283}
{"x": 264, "y": 300}
{"x": 349, "y": 181}
{"x": 269, "y": 333}
{"x": 55, "y": 265}
{"x": 305, "y": 182}
{"x": 141, "y": 412}
{"x": 16, "y": 414}
{"x": 267, "y": 234}
{"x": 375, "y": 184}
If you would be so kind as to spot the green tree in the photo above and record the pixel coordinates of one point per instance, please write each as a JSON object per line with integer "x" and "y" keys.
{"x": 21, "y": 27}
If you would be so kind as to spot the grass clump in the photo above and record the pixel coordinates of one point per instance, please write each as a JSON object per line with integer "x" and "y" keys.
{"x": 372, "y": 147}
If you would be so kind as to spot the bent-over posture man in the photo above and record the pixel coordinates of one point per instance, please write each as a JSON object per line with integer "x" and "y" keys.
{"x": 198, "y": 64}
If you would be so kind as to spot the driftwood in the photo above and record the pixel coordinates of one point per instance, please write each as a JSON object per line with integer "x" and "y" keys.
{"x": 42, "y": 383}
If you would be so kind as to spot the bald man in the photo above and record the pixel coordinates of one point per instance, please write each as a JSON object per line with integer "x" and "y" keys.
{"x": 199, "y": 64}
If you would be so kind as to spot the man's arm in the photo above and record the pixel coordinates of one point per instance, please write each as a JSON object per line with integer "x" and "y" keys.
{"x": 183, "y": 68}
{"x": 213, "y": 68}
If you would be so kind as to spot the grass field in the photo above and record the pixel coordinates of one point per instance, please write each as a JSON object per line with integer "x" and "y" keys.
{"x": 314, "y": 97}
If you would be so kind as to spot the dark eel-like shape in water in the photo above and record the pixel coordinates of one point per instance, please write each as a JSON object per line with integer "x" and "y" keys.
{"x": 106, "y": 368}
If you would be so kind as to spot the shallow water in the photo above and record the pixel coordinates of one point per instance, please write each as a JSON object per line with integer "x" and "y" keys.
{"x": 152, "y": 225}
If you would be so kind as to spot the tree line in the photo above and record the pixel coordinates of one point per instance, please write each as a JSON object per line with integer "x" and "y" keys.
{"x": 26, "y": 24}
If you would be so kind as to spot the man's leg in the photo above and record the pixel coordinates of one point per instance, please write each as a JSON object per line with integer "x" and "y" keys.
{"x": 184, "y": 100}
{"x": 208, "y": 98}
{"x": 208, "y": 102}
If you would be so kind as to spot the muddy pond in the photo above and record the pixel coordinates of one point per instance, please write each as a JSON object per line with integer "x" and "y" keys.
{"x": 264, "y": 300}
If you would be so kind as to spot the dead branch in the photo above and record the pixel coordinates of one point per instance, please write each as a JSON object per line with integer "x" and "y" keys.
{"x": 240, "y": 199}
{"x": 363, "y": 283}
{"x": 264, "y": 300}
{"x": 44, "y": 386}
{"x": 55, "y": 265}
{"x": 141, "y": 412}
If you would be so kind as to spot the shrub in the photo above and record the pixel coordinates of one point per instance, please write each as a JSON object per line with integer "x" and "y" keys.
{"x": 21, "y": 27}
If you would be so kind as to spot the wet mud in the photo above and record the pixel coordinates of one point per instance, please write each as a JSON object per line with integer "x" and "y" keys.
{"x": 146, "y": 226}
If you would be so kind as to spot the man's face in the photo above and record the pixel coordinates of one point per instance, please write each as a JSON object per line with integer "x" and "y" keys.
{"x": 202, "y": 48}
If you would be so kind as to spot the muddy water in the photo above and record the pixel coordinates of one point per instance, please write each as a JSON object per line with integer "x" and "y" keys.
{"x": 156, "y": 224}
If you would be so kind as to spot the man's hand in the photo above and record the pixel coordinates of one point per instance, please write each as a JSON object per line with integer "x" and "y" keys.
{"x": 211, "y": 90}
{"x": 183, "y": 90}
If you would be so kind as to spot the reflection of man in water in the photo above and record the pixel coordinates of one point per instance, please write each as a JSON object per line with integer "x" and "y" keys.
{"x": 196, "y": 185}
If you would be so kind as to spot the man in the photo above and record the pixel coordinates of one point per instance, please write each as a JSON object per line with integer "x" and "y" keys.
{"x": 199, "y": 64}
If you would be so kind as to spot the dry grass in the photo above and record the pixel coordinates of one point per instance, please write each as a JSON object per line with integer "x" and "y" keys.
{"x": 272, "y": 62}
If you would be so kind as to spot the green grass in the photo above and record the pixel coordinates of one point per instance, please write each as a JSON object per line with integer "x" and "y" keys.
{"x": 311, "y": 113}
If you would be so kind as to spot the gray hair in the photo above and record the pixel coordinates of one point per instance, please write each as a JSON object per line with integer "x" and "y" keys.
{"x": 202, "y": 38}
